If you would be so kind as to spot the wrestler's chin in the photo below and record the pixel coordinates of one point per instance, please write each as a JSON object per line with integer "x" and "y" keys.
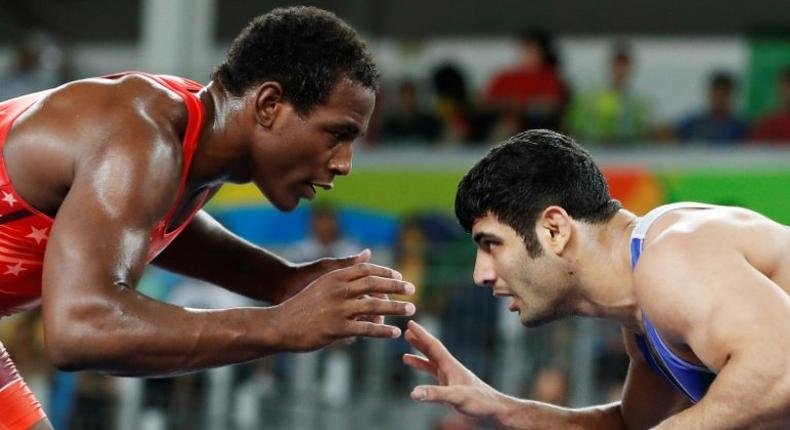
{"x": 537, "y": 319}
{"x": 285, "y": 203}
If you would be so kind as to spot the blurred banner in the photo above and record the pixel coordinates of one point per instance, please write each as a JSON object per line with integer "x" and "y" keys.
{"x": 385, "y": 187}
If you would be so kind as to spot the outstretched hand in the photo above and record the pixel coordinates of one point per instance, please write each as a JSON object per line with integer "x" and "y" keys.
{"x": 457, "y": 386}
{"x": 341, "y": 304}
{"x": 306, "y": 273}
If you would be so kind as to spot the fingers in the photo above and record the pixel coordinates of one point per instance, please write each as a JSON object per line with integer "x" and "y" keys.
{"x": 380, "y": 295}
{"x": 373, "y": 306}
{"x": 362, "y": 257}
{"x": 452, "y": 395}
{"x": 372, "y": 285}
{"x": 378, "y": 319}
{"x": 339, "y": 263}
{"x": 362, "y": 270}
{"x": 369, "y": 329}
{"x": 421, "y": 363}
{"x": 426, "y": 343}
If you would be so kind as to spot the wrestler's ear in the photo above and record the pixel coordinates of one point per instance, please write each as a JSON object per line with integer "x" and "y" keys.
{"x": 554, "y": 229}
{"x": 268, "y": 99}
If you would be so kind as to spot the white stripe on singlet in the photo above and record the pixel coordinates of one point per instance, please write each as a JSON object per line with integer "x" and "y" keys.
{"x": 644, "y": 223}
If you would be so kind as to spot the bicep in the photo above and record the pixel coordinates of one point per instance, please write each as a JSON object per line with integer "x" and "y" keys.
{"x": 101, "y": 233}
{"x": 715, "y": 301}
{"x": 732, "y": 317}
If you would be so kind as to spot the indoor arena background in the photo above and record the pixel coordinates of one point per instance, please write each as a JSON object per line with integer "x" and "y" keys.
{"x": 671, "y": 63}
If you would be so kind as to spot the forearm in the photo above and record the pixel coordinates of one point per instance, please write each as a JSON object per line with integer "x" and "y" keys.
{"x": 531, "y": 415}
{"x": 207, "y": 251}
{"x": 764, "y": 410}
{"x": 751, "y": 391}
{"x": 127, "y": 333}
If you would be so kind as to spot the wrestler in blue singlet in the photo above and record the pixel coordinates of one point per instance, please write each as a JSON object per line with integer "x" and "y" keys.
{"x": 690, "y": 379}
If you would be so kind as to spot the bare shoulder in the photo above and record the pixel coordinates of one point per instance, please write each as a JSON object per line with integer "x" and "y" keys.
{"x": 131, "y": 124}
{"x": 694, "y": 239}
{"x": 142, "y": 125}
{"x": 691, "y": 257}
{"x": 111, "y": 104}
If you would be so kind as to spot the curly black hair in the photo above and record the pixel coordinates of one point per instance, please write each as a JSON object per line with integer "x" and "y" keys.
{"x": 531, "y": 171}
{"x": 306, "y": 49}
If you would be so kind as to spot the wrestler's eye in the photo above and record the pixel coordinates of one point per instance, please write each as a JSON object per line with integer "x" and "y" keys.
{"x": 488, "y": 245}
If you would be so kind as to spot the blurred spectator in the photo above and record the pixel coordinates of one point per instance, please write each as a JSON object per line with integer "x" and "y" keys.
{"x": 612, "y": 114}
{"x": 532, "y": 94}
{"x": 411, "y": 251}
{"x": 461, "y": 123}
{"x": 408, "y": 122}
{"x": 718, "y": 124}
{"x": 551, "y": 386}
{"x": 325, "y": 240}
{"x": 775, "y": 127}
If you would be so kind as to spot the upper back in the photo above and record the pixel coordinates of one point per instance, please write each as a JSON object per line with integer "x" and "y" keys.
{"x": 118, "y": 148}
{"x": 81, "y": 118}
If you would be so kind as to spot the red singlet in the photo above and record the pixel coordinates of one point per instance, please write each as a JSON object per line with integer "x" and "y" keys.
{"x": 24, "y": 230}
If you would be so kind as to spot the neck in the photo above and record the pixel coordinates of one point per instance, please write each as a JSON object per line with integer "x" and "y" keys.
{"x": 222, "y": 149}
{"x": 604, "y": 271}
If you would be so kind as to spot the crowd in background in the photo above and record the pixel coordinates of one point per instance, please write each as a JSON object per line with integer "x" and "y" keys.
{"x": 443, "y": 111}
{"x": 533, "y": 93}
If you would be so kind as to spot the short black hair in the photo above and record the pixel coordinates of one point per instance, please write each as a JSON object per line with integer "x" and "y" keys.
{"x": 306, "y": 49}
{"x": 722, "y": 79}
{"x": 529, "y": 172}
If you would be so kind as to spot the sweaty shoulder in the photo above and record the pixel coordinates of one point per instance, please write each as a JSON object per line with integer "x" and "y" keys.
{"x": 684, "y": 247}
{"x": 696, "y": 233}
{"x": 132, "y": 121}
{"x": 101, "y": 107}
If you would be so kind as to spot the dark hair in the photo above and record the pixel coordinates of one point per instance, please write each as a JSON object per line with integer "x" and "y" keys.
{"x": 531, "y": 171}
{"x": 544, "y": 40}
{"x": 449, "y": 81}
{"x": 621, "y": 53}
{"x": 306, "y": 49}
{"x": 722, "y": 79}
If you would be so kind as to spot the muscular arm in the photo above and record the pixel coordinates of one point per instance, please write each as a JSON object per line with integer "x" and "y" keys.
{"x": 122, "y": 180}
{"x": 734, "y": 319}
{"x": 94, "y": 318}
{"x": 647, "y": 399}
{"x": 207, "y": 251}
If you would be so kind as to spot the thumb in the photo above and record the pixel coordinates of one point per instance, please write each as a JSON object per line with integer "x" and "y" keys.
{"x": 343, "y": 262}
{"x": 452, "y": 395}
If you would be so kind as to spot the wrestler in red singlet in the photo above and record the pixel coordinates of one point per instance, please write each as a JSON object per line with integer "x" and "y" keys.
{"x": 23, "y": 239}
{"x": 24, "y": 230}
